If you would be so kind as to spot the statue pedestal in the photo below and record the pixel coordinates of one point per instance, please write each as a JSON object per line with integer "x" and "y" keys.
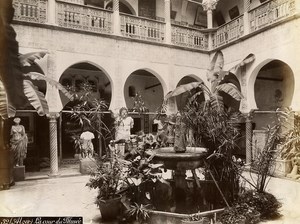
{"x": 87, "y": 165}
{"x": 19, "y": 173}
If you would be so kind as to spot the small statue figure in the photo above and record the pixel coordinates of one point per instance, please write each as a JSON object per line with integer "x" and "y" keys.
{"x": 170, "y": 133}
{"x": 18, "y": 142}
{"x": 180, "y": 135}
{"x": 123, "y": 125}
{"x": 87, "y": 147}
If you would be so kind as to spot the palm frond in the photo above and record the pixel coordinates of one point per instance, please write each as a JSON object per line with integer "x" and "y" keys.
{"x": 60, "y": 87}
{"x": 231, "y": 90}
{"x": 35, "y": 98}
{"x": 29, "y": 59}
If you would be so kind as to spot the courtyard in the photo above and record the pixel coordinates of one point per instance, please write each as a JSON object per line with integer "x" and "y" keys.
{"x": 150, "y": 111}
{"x": 68, "y": 196}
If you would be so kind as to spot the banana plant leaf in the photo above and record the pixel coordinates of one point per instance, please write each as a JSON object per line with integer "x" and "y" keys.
{"x": 28, "y": 59}
{"x": 183, "y": 88}
{"x": 231, "y": 90}
{"x": 39, "y": 76}
{"x": 250, "y": 58}
{"x": 35, "y": 98}
{"x": 217, "y": 62}
{"x": 6, "y": 109}
{"x": 216, "y": 102}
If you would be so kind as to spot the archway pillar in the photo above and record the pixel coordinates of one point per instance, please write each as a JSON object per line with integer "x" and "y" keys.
{"x": 51, "y": 12}
{"x": 209, "y": 6}
{"x": 168, "y": 31}
{"x": 248, "y": 124}
{"x": 246, "y": 17}
{"x": 116, "y": 17}
{"x": 53, "y": 144}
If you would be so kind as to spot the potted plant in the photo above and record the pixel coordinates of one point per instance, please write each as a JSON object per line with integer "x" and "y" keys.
{"x": 107, "y": 179}
{"x": 196, "y": 219}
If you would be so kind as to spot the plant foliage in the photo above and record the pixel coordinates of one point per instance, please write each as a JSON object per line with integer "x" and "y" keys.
{"x": 264, "y": 203}
{"x": 107, "y": 178}
{"x": 138, "y": 212}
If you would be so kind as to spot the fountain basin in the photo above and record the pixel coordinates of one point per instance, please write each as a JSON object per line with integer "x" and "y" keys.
{"x": 191, "y": 159}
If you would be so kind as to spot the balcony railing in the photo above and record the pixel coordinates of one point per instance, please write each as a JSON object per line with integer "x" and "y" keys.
{"x": 187, "y": 37}
{"x": 271, "y": 12}
{"x": 142, "y": 28}
{"x": 82, "y": 17}
{"x": 75, "y": 15}
{"x": 30, "y": 10}
{"x": 229, "y": 32}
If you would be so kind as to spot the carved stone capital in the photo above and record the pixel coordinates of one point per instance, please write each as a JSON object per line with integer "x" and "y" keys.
{"x": 249, "y": 116}
{"x": 209, "y": 4}
{"x": 53, "y": 116}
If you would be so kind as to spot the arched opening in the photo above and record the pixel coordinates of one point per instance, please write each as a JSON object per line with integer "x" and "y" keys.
{"x": 182, "y": 99}
{"x": 83, "y": 79}
{"x": 124, "y": 7}
{"x": 274, "y": 86}
{"x": 149, "y": 90}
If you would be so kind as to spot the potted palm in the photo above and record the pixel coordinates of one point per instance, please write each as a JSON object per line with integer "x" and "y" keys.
{"x": 107, "y": 178}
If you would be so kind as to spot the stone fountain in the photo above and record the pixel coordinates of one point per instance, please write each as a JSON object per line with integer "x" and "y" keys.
{"x": 191, "y": 159}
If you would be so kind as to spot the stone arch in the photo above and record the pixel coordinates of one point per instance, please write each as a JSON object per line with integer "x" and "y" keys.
{"x": 123, "y": 3}
{"x": 100, "y": 68}
{"x": 151, "y": 88}
{"x": 101, "y": 86}
{"x": 274, "y": 80}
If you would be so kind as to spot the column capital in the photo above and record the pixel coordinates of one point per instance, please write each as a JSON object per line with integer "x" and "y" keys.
{"x": 209, "y": 5}
{"x": 53, "y": 116}
{"x": 249, "y": 116}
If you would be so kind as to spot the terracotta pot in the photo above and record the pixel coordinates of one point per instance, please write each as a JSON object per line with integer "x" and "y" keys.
{"x": 110, "y": 209}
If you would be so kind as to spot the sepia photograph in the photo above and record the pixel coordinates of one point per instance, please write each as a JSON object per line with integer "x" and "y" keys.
{"x": 149, "y": 112}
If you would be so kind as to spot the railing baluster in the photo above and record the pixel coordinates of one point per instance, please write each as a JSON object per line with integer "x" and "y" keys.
{"x": 270, "y": 12}
{"x": 84, "y": 17}
{"x": 188, "y": 37}
{"x": 141, "y": 28}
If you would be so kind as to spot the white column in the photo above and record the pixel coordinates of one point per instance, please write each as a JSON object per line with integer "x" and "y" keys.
{"x": 183, "y": 10}
{"x": 116, "y": 17}
{"x": 209, "y": 6}
{"x": 246, "y": 17}
{"x": 51, "y": 12}
{"x": 168, "y": 34}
